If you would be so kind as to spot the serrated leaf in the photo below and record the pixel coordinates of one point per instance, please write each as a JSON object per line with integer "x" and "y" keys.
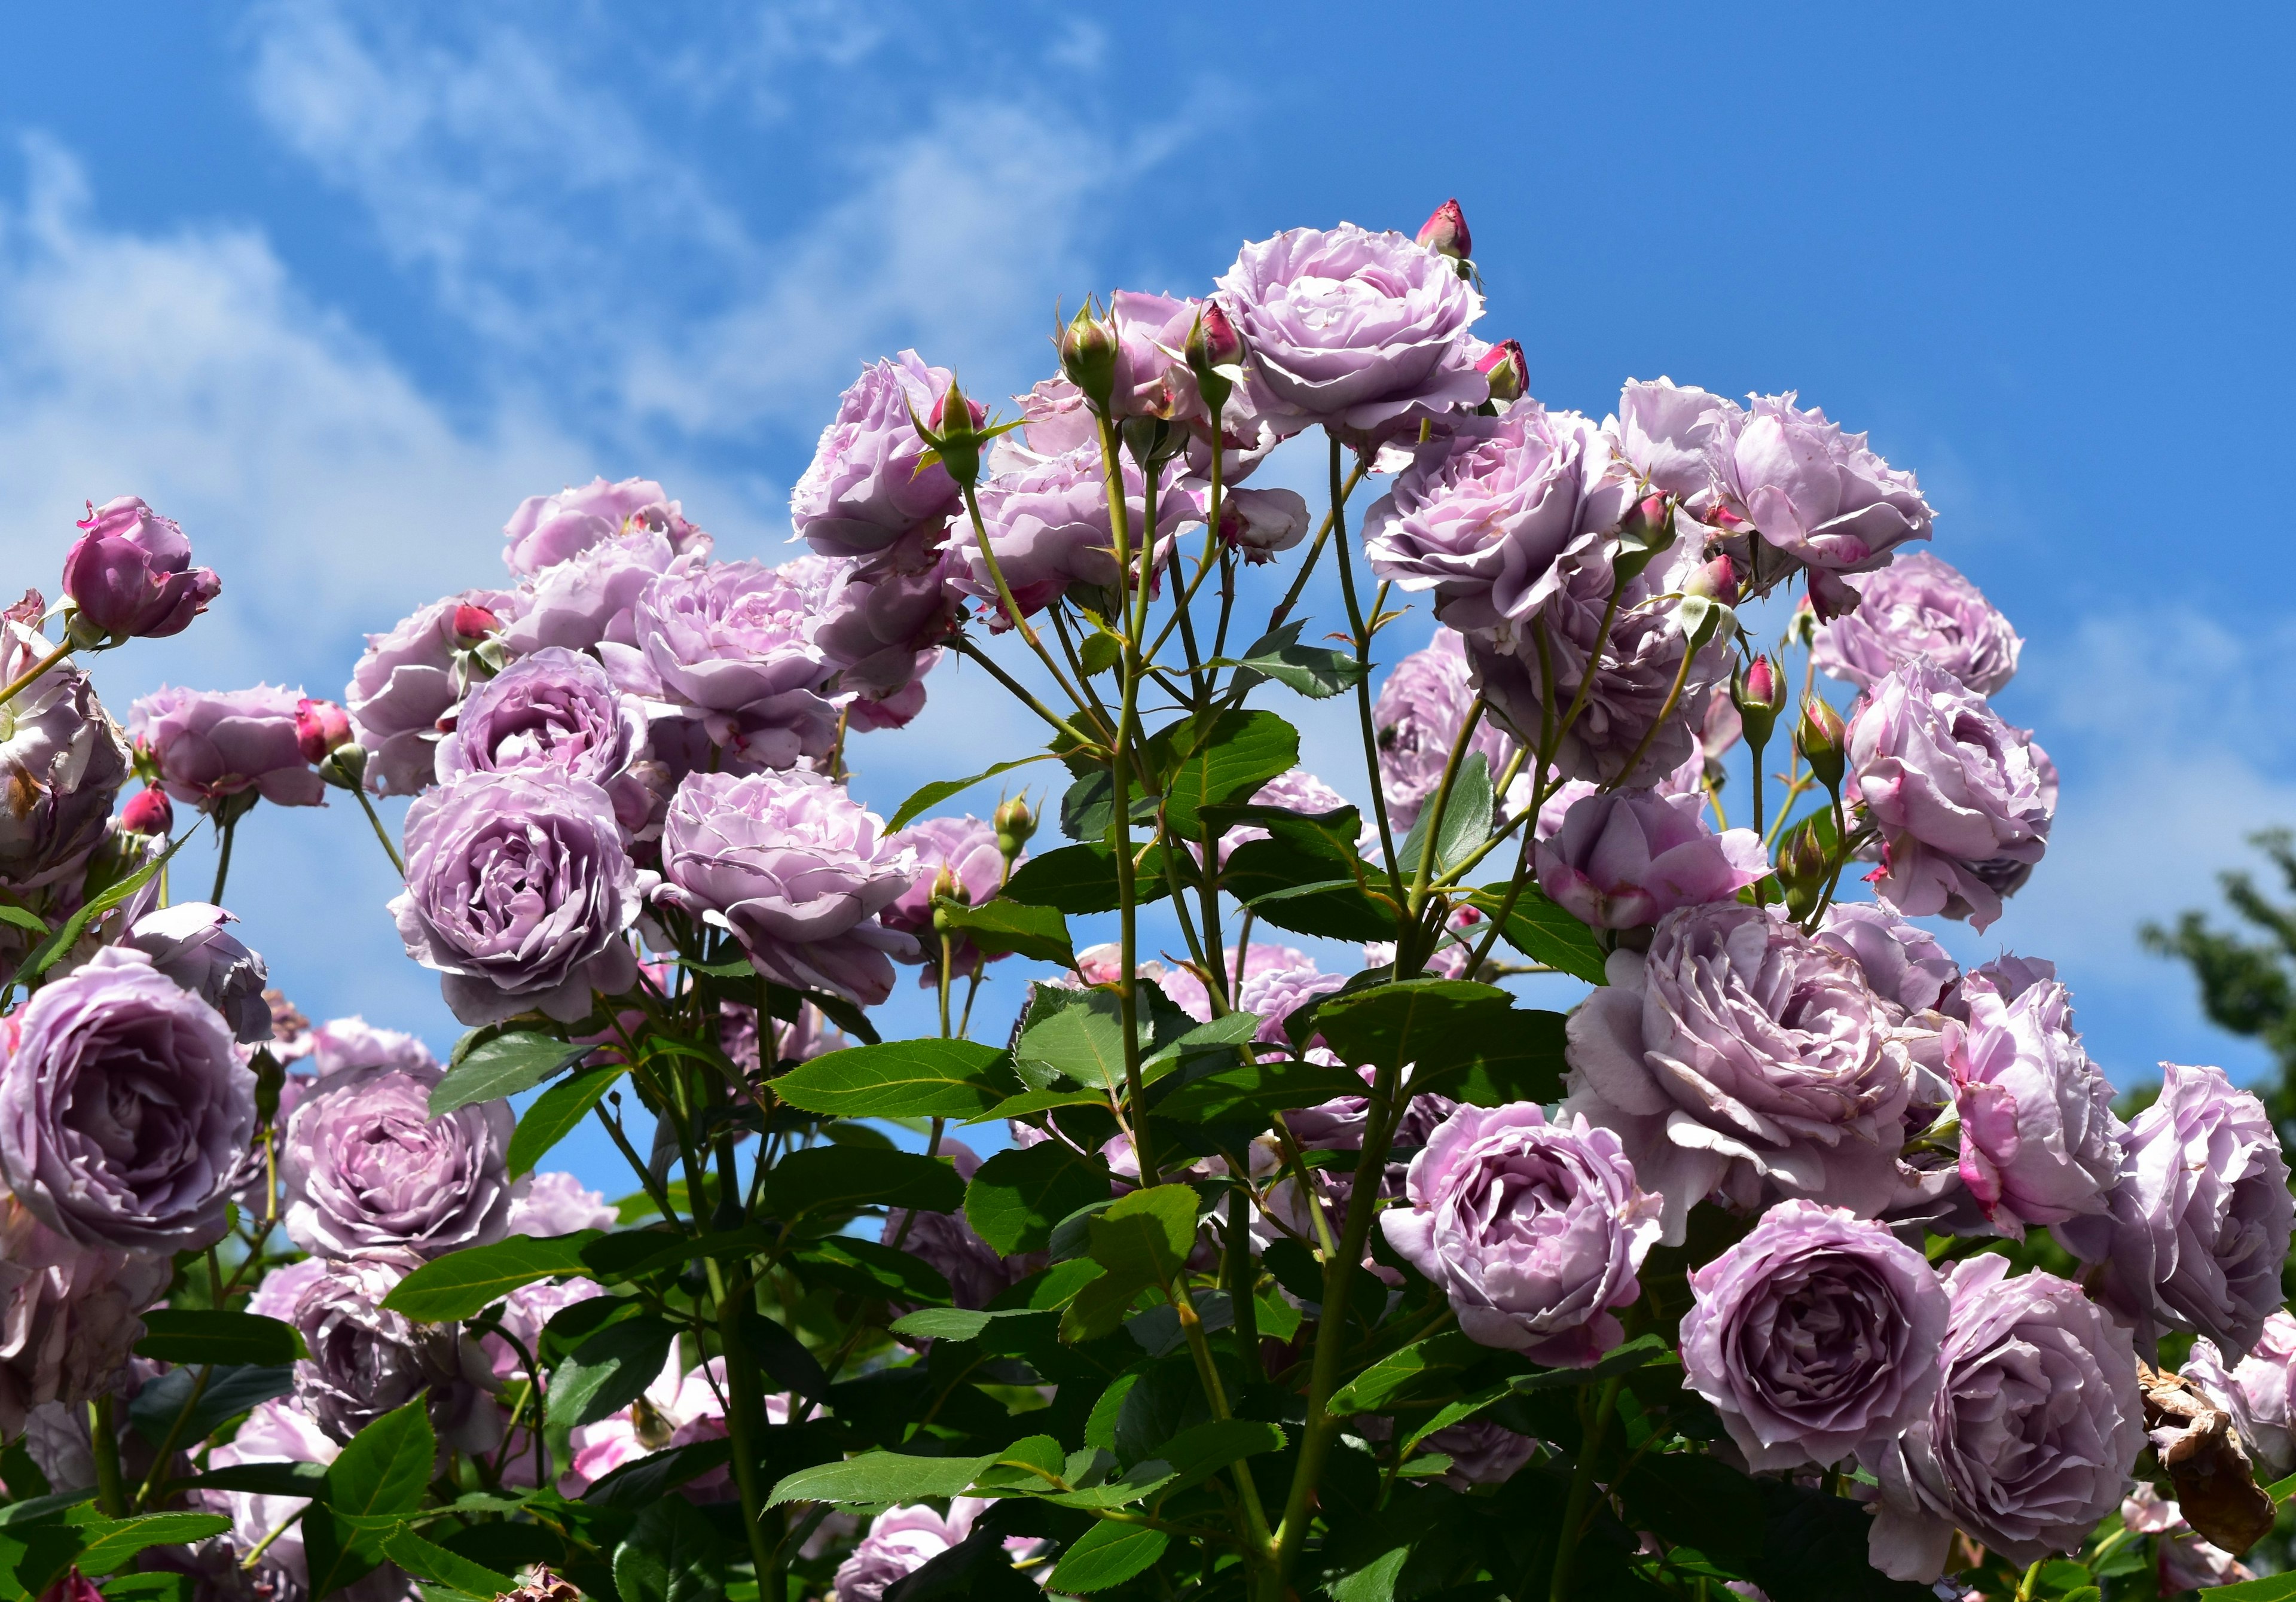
{"x": 1315, "y": 671}
{"x": 229, "y": 1391}
{"x": 307, "y": 1480}
{"x": 1543, "y": 932}
{"x": 940, "y": 790}
{"x": 607, "y": 1371}
{"x": 460, "y": 1284}
{"x": 1146, "y": 1233}
{"x": 1002, "y": 925}
{"x": 110, "y": 1545}
{"x": 1082, "y": 878}
{"x": 1309, "y": 889}
{"x": 191, "y": 1335}
{"x": 557, "y": 1112}
{"x": 1108, "y": 1554}
{"x": 1402, "y": 1375}
{"x": 424, "y": 1561}
{"x": 1466, "y": 820}
{"x": 1257, "y": 1089}
{"x": 641, "y": 1483}
{"x": 503, "y": 1066}
{"x": 1076, "y": 1034}
{"x": 839, "y": 1179}
{"x": 868, "y": 1267}
{"x": 52, "y": 949}
{"x": 902, "y": 1079}
{"x": 672, "y": 1553}
{"x": 1222, "y": 759}
{"x": 880, "y": 1477}
{"x": 1017, "y": 1196}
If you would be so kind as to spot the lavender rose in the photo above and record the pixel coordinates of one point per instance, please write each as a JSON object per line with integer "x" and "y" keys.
{"x": 367, "y": 1171}
{"x": 366, "y": 1361}
{"x": 1903, "y": 963}
{"x": 556, "y": 709}
{"x": 1481, "y": 1453}
{"x": 212, "y": 743}
{"x": 964, "y": 850}
{"x": 1048, "y": 527}
{"x": 864, "y": 489}
{"x": 1485, "y": 509}
{"x": 2030, "y": 1436}
{"x": 1814, "y": 492}
{"x": 2260, "y": 1390}
{"x": 1918, "y": 606}
{"x": 518, "y": 892}
{"x": 1964, "y": 800}
{"x": 1271, "y": 981}
{"x": 1627, "y": 858}
{"x": 187, "y": 943}
{"x": 1417, "y": 717}
{"x": 975, "y": 1271}
{"x": 734, "y": 641}
{"x": 130, "y": 573}
{"x": 901, "y": 1542}
{"x": 1668, "y": 433}
{"x": 63, "y": 761}
{"x": 881, "y": 623}
{"x": 549, "y": 529}
{"x": 275, "y": 1432}
{"x": 798, "y": 871}
{"x": 1262, "y": 523}
{"x": 1534, "y": 1230}
{"x": 1814, "y": 1335}
{"x": 555, "y": 1203}
{"x": 411, "y": 676}
{"x": 2200, "y": 1215}
{"x": 341, "y": 1044}
{"x": 68, "y": 1316}
{"x": 1740, "y": 1055}
{"x": 123, "y": 1108}
{"x": 1352, "y": 328}
{"x": 585, "y": 600}
{"x": 2039, "y": 1144}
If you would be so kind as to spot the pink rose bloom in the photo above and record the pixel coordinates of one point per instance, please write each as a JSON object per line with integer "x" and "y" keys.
{"x": 410, "y": 678}
{"x": 863, "y": 489}
{"x": 69, "y": 1315}
{"x": 1918, "y": 606}
{"x": 1668, "y": 432}
{"x": 965, "y": 848}
{"x": 1417, "y": 718}
{"x": 130, "y": 573}
{"x": 1813, "y": 491}
{"x": 556, "y": 1203}
{"x": 275, "y": 1432}
{"x": 678, "y": 1410}
{"x": 344, "y": 1043}
{"x": 550, "y": 528}
{"x": 1048, "y": 525}
{"x": 585, "y": 600}
{"x": 902, "y": 1541}
{"x": 1627, "y": 858}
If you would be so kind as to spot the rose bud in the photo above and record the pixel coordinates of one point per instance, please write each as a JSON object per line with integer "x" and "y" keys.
{"x": 1758, "y": 691}
{"x": 1820, "y": 737}
{"x": 320, "y": 725}
{"x": 1087, "y": 348}
{"x": 1445, "y": 232}
{"x": 345, "y": 767}
{"x": 953, "y": 430}
{"x": 131, "y": 576}
{"x": 1016, "y": 824}
{"x": 1718, "y": 581}
{"x": 1214, "y": 346}
{"x": 947, "y": 887}
{"x": 1503, "y": 367}
{"x": 74, "y": 1587}
{"x": 1802, "y": 869}
{"x": 148, "y": 813}
{"x": 474, "y": 623}
{"x": 1644, "y": 533}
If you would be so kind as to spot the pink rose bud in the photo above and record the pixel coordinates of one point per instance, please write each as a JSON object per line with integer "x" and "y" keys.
{"x": 1758, "y": 691}
{"x": 1213, "y": 343}
{"x": 473, "y": 624}
{"x": 1504, "y": 368}
{"x": 1445, "y": 232}
{"x": 1821, "y": 738}
{"x": 953, "y": 430}
{"x": 74, "y": 1587}
{"x": 148, "y": 813}
{"x": 1718, "y": 581}
{"x": 130, "y": 576}
{"x": 1015, "y": 823}
{"x": 320, "y": 725}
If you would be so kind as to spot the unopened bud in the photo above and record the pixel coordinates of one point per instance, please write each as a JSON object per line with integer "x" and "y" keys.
{"x": 1504, "y": 368}
{"x": 1644, "y": 533}
{"x": 947, "y": 887}
{"x": 474, "y": 623}
{"x": 953, "y": 430}
{"x": 1089, "y": 357}
{"x": 148, "y": 813}
{"x": 1014, "y": 826}
{"x": 1802, "y": 869}
{"x": 345, "y": 767}
{"x": 1717, "y": 580}
{"x": 1213, "y": 343}
{"x": 1821, "y": 739}
{"x": 320, "y": 725}
{"x": 1445, "y": 232}
{"x": 1802, "y": 628}
{"x": 1758, "y": 691}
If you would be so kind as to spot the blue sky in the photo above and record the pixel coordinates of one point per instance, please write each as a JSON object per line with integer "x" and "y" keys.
{"x": 336, "y": 285}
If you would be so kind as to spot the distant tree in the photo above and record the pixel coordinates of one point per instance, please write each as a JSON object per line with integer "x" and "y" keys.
{"x": 2248, "y": 984}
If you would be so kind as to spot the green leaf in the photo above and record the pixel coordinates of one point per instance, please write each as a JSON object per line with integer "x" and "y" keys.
{"x": 461, "y": 1283}
{"x": 212, "y": 1336}
{"x": 386, "y": 1467}
{"x": 1309, "y": 889}
{"x": 503, "y": 1065}
{"x": 1002, "y": 925}
{"x": 1643, "y": 1351}
{"x": 24, "y": 918}
{"x": 1076, "y": 1034}
{"x": 1100, "y": 653}
{"x": 1222, "y": 759}
{"x": 1315, "y": 671}
{"x": 52, "y": 949}
{"x": 150, "y": 1586}
{"x": 1375, "y": 1580}
{"x": 113, "y": 1544}
{"x": 1512, "y": 1055}
{"x": 641, "y": 1483}
{"x": 2272, "y": 1587}
{"x": 868, "y": 1267}
{"x": 1236, "y": 1029}
{"x": 634, "y": 1253}
{"x": 1108, "y": 1554}
{"x": 608, "y": 1372}
{"x": 1082, "y": 878}
{"x": 673, "y": 1554}
{"x": 940, "y": 790}
{"x": 903, "y": 1079}
{"x": 1029, "y": 1103}
{"x": 839, "y": 1179}
{"x": 1403, "y": 1373}
{"x": 1197, "y": 1454}
{"x": 1018, "y": 1195}
{"x": 1146, "y": 1233}
{"x": 1418, "y": 1021}
{"x": 230, "y": 1392}
{"x": 425, "y": 1561}
{"x": 308, "y": 1480}
{"x": 880, "y": 1477}
{"x": 557, "y": 1112}
{"x": 1258, "y": 1089}
{"x": 1543, "y": 932}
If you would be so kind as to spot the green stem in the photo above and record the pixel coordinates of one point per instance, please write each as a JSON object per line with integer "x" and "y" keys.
{"x": 744, "y": 1409}
{"x": 1362, "y": 634}
{"x": 223, "y": 862}
{"x": 948, "y": 955}
{"x": 1119, "y": 773}
{"x": 111, "y": 1493}
{"x": 1027, "y": 697}
{"x": 1582, "y": 1489}
{"x": 380, "y": 833}
{"x": 18, "y": 684}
